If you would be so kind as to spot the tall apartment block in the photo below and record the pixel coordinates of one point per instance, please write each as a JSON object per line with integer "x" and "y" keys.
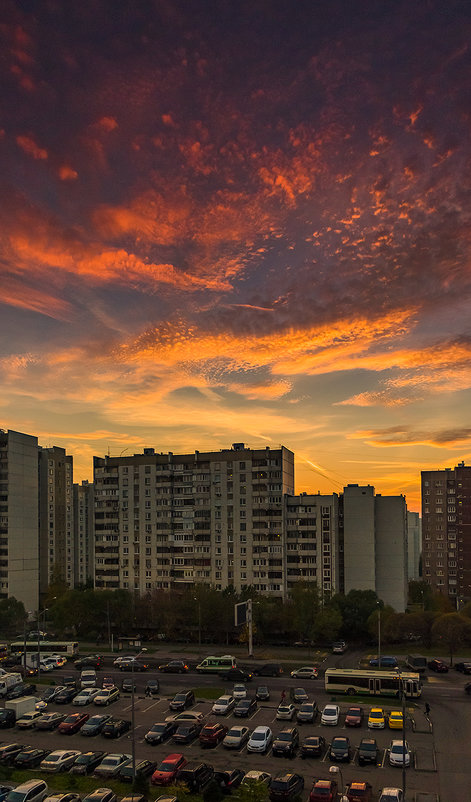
{"x": 19, "y": 521}
{"x": 446, "y": 531}
{"x": 414, "y": 544}
{"x": 56, "y": 538}
{"x": 375, "y": 544}
{"x": 167, "y": 520}
{"x": 84, "y": 532}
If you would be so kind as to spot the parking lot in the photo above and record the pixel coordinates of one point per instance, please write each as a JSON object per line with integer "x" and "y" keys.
{"x": 421, "y": 776}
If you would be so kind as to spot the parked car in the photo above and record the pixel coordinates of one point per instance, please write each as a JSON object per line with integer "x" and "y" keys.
{"x": 31, "y": 791}
{"x": 262, "y": 694}
{"x": 8, "y": 752}
{"x": 438, "y": 665}
{"x": 286, "y": 743}
{"x": 115, "y": 727}
{"x": 85, "y": 696}
{"x": 307, "y": 713}
{"x": 237, "y": 674}
{"x": 229, "y": 780}
{"x": 7, "y": 719}
{"x": 111, "y": 765}
{"x": 354, "y": 716}
{"x": 152, "y": 687}
{"x": 182, "y": 700}
{"x": 239, "y": 691}
{"x": 159, "y": 733}
{"x": 49, "y": 721}
{"x": 106, "y": 696}
{"x": 128, "y": 684}
{"x": 124, "y": 658}
{"x": 19, "y": 690}
{"x": 49, "y": 694}
{"x": 367, "y": 751}
{"x": 330, "y": 715}
{"x": 88, "y": 678}
{"x": 376, "y": 719}
{"x": 260, "y": 740}
{"x": 298, "y": 695}
{"x": 188, "y": 715}
{"x": 65, "y": 696}
{"x": 385, "y": 661}
{"x": 86, "y": 762}
{"x": 254, "y": 776}
{"x": 313, "y": 746}
{"x": 133, "y": 665}
{"x": 72, "y": 723}
{"x": 285, "y": 711}
{"x": 143, "y": 770}
{"x": 391, "y": 795}
{"x": 245, "y": 707}
{"x": 94, "y": 725}
{"x": 285, "y": 786}
{"x": 339, "y": 647}
{"x": 196, "y": 776}
{"x": 174, "y": 667}
{"x": 187, "y": 732}
{"x": 340, "y": 748}
{"x": 59, "y": 760}
{"x": 212, "y": 734}
{"x": 399, "y": 753}
{"x": 100, "y": 795}
{"x": 323, "y": 791}
{"x": 63, "y": 797}
{"x": 268, "y": 670}
{"x": 360, "y": 792}
{"x": 236, "y": 737}
{"x": 465, "y": 667}
{"x": 28, "y": 720}
{"x": 91, "y": 661}
{"x": 4, "y": 791}
{"x": 168, "y": 769}
{"x": 30, "y": 757}
{"x": 306, "y": 672}
{"x": 223, "y": 705}
{"x": 396, "y": 720}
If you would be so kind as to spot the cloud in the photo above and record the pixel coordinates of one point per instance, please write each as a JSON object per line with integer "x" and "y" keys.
{"x": 407, "y": 436}
{"x": 30, "y": 147}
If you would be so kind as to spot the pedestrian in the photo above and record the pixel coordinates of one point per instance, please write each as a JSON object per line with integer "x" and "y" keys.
{"x": 148, "y": 691}
{"x": 427, "y": 709}
{"x": 283, "y": 695}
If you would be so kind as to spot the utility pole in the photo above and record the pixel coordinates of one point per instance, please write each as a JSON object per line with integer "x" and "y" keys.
{"x": 250, "y": 627}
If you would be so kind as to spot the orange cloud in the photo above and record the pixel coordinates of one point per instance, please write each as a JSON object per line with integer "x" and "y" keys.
{"x": 29, "y": 146}
{"x": 67, "y": 173}
{"x": 406, "y": 436}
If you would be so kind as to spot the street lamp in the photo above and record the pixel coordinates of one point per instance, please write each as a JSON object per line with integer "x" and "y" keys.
{"x": 39, "y": 637}
{"x": 379, "y": 634}
{"x": 133, "y": 737}
{"x": 338, "y": 770}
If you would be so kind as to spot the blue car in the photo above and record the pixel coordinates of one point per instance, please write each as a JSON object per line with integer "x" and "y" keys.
{"x": 386, "y": 662}
{"x": 4, "y": 790}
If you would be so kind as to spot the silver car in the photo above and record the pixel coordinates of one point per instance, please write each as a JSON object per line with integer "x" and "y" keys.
{"x": 236, "y": 737}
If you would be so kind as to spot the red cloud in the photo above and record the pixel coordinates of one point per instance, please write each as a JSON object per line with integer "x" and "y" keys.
{"x": 29, "y": 146}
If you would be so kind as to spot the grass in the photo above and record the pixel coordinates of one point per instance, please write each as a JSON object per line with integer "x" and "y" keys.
{"x": 208, "y": 693}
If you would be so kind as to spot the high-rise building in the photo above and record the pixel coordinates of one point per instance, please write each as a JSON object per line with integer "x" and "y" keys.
{"x": 84, "y": 533}
{"x": 446, "y": 531}
{"x": 56, "y": 538}
{"x": 19, "y": 522}
{"x": 167, "y": 520}
{"x": 414, "y": 544}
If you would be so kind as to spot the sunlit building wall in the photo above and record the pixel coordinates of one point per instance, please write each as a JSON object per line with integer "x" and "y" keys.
{"x": 56, "y": 538}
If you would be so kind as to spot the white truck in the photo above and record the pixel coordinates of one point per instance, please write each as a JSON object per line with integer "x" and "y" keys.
{"x": 24, "y": 705}
{"x": 9, "y": 681}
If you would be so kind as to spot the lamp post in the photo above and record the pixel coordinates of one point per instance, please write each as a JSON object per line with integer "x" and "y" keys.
{"x": 401, "y": 685}
{"x": 379, "y": 635}
{"x": 133, "y": 736}
{"x": 39, "y": 638}
{"x": 338, "y": 770}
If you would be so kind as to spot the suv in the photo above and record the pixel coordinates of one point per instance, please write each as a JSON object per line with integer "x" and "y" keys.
{"x": 286, "y": 742}
{"x": 182, "y": 700}
{"x": 438, "y": 665}
{"x": 268, "y": 670}
{"x": 237, "y": 675}
{"x": 286, "y": 786}
{"x": 367, "y": 751}
{"x": 31, "y": 791}
{"x": 196, "y": 776}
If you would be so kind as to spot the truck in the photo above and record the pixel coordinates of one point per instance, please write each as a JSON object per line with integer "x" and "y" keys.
{"x": 416, "y": 662}
{"x": 20, "y": 706}
{"x": 8, "y": 681}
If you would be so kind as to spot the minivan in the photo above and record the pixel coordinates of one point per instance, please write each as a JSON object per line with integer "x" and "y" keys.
{"x": 88, "y": 678}
{"x": 31, "y": 791}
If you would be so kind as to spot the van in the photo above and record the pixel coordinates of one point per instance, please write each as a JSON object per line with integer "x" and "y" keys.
{"x": 416, "y": 662}
{"x": 213, "y": 665}
{"x": 31, "y": 791}
{"x": 88, "y": 678}
{"x": 9, "y": 681}
{"x": 268, "y": 670}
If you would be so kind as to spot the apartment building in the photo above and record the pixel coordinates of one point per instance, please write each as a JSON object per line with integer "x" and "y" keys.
{"x": 56, "y": 536}
{"x": 414, "y": 545}
{"x": 167, "y": 520}
{"x": 446, "y": 531}
{"x": 19, "y": 520}
{"x": 84, "y": 532}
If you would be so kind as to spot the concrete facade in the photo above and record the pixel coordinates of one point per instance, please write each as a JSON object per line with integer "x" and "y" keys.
{"x": 391, "y": 550}
{"x": 55, "y": 517}
{"x": 359, "y": 538}
{"x": 414, "y": 545}
{"x": 84, "y": 532}
{"x": 313, "y": 542}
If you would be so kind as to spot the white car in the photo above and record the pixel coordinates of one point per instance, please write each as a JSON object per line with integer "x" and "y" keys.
{"x": 330, "y": 715}
{"x": 399, "y": 753}
{"x": 88, "y": 678}
{"x": 285, "y": 711}
{"x": 85, "y": 696}
{"x": 391, "y": 795}
{"x": 59, "y": 760}
{"x": 307, "y": 672}
{"x": 59, "y": 659}
{"x": 124, "y": 659}
{"x": 186, "y": 718}
{"x": 257, "y": 777}
{"x": 28, "y": 720}
{"x": 223, "y": 705}
{"x": 239, "y": 691}
{"x": 106, "y": 695}
{"x": 260, "y": 740}
{"x": 111, "y": 765}
{"x": 46, "y": 665}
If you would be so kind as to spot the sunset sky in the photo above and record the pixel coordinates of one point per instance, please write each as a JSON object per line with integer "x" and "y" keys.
{"x": 239, "y": 221}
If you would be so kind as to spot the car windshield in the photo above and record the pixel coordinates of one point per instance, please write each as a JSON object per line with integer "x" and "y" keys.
{"x": 398, "y": 748}
{"x": 244, "y": 703}
{"x": 258, "y": 736}
{"x": 71, "y": 719}
{"x": 322, "y": 791}
{"x": 277, "y": 785}
{"x": 376, "y": 714}
{"x": 283, "y": 708}
{"x": 284, "y": 736}
{"x": 330, "y": 711}
{"x": 340, "y": 742}
{"x": 110, "y": 761}
{"x": 235, "y": 733}
{"x": 16, "y": 796}
{"x": 53, "y": 757}
{"x": 83, "y": 759}
{"x": 306, "y": 708}
{"x": 95, "y": 720}
{"x": 365, "y": 745}
{"x": 354, "y": 711}
{"x": 158, "y": 728}
{"x": 180, "y": 697}
{"x": 167, "y": 766}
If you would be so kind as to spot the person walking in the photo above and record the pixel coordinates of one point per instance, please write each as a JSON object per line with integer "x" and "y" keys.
{"x": 148, "y": 693}
{"x": 283, "y": 695}
{"x": 427, "y": 709}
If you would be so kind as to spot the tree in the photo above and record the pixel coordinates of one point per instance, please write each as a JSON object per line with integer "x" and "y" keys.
{"x": 453, "y": 631}
{"x": 356, "y": 607}
{"x": 12, "y": 615}
{"x": 304, "y": 606}
{"x": 251, "y": 791}
{"x": 327, "y": 624}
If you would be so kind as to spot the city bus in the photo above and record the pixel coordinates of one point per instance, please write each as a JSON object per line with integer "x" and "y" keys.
{"x": 355, "y": 681}
{"x": 213, "y": 665}
{"x": 46, "y": 647}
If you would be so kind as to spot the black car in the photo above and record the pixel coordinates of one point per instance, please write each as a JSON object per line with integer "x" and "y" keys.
{"x": 144, "y": 769}
{"x": 86, "y": 762}
{"x": 20, "y": 690}
{"x": 7, "y": 718}
{"x": 159, "y": 733}
{"x": 65, "y": 696}
{"x": 30, "y": 757}
{"x": 438, "y": 665}
{"x": 132, "y": 665}
{"x": 127, "y": 685}
{"x": 70, "y": 681}
{"x": 228, "y": 780}
{"x": 367, "y": 751}
{"x": 92, "y": 661}
{"x": 115, "y": 727}
{"x": 152, "y": 687}
{"x": 467, "y": 688}
{"x": 237, "y": 675}
{"x": 340, "y": 748}
{"x": 286, "y": 743}
{"x": 465, "y": 668}
{"x": 187, "y": 732}
{"x": 262, "y": 694}
{"x": 8, "y": 752}
{"x": 245, "y": 707}
{"x": 268, "y": 670}
{"x": 50, "y": 693}
{"x": 196, "y": 776}
{"x": 313, "y": 746}
{"x": 94, "y": 725}
{"x": 286, "y": 786}
{"x": 174, "y": 667}
{"x": 182, "y": 700}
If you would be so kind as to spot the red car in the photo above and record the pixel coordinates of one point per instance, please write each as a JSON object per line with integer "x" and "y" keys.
{"x": 359, "y": 792}
{"x": 354, "y": 717}
{"x": 212, "y": 734}
{"x": 72, "y": 723}
{"x": 323, "y": 791}
{"x": 167, "y": 771}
